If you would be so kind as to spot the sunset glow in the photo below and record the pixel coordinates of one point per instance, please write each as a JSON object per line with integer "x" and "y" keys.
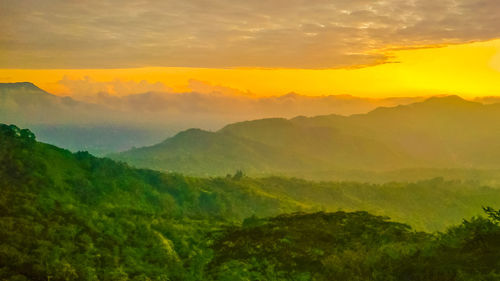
{"x": 468, "y": 70}
{"x": 226, "y": 140}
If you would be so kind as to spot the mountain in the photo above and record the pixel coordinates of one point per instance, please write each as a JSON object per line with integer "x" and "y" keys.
{"x": 438, "y": 133}
{"x": 66, "y": 216}
{"x": 231, "y": 107}
{"x": 102, "y": 123}
{"x": 25, "y": 103}
{"x": 443, "y": 132}
{"x": 112, "y": 124}
{"x": 73, "y": 216}
{"x": 73, "y": 124}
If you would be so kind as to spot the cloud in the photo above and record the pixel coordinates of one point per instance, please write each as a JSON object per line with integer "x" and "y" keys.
{"x": 203, "y": 87}
{"x": 232, "y": 33}
{"x": 89, "y": 89}
{"x": 213, "y": 104}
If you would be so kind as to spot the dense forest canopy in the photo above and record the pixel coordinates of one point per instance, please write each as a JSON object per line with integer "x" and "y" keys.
{"x": 72, "y": 216}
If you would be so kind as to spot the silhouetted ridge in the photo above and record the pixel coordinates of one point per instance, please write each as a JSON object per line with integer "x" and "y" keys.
{"x": 21, "y": 86}
{"x": 433, "y": 105}
{"x": 193, "y": 132}
{"x": 448, "y": 100}
{"x": 268, "y": 123}
{"x": 444, "y": 132}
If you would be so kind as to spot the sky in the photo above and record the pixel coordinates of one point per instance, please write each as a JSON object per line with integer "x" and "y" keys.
{"x": 368, "y": 48}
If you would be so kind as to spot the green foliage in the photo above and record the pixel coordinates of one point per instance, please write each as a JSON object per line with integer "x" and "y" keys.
{"x": 66, "y": 216}
{"x": 238, "y": 175}
{"x": 71, "y": 216}
{"x": 428, "y": 205}
{"x": 303, "y": 243}
{"x": 493, "y": 214}
{"x": 355, "y": 246}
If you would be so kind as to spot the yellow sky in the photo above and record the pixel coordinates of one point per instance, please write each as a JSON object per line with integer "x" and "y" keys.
{"x": 468, "y": 70}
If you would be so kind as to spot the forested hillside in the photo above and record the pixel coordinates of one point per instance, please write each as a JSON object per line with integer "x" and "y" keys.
{"x": 72, "y": 216}
{"x": 356, "y": 246}
{"x": 446, "y": 135}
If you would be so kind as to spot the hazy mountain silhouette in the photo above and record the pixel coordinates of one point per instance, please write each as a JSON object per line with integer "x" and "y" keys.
{"x": 70, "y": 123}
{"x": 107, "y": 123}
{"x": 440, "y": 132}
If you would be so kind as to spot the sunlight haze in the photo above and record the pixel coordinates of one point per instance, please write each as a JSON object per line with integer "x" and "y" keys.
{"x": 468, "y": 70}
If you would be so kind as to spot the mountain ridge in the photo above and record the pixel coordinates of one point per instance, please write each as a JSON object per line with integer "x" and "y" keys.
{"x": 419, "y": 135}
{"x": 120, "y": 123}
{"x": 20, "y": 85}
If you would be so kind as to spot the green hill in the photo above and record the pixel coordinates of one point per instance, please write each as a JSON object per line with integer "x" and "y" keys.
{"x": 356, "y": 246}
{"x": 72, "y": 216}
{"x": 447, "y": 134}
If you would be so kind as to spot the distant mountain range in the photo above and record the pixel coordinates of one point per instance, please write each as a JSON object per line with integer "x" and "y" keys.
{"x": 73, "y": 124}
{"x": 406, "y": 135}
{"x": 438, "y": 133}
{"x": 106, "y": 123}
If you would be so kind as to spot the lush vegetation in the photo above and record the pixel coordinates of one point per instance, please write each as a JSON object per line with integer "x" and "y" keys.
{"x": 356, "y": 246}
{"x": 72, "y": 216}
{"x": 410, "y": 142}
{"x": 428, "y": 205}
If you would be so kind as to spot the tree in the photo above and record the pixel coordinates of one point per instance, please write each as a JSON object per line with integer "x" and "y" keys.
{"x": 238, "y": 175}
{"x": 493, "y": 214}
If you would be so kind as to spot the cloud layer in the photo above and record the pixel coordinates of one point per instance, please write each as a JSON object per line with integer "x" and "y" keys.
{"x": 213, "y": 105}
{"x": 87, "y": 88}
{"x": 232, "y": 33}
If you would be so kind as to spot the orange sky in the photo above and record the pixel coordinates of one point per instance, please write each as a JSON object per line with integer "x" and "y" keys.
{"x": 468, "y": 70}
{"x": 260, "y": 47}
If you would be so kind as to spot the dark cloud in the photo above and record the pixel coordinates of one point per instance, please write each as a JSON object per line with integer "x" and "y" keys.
{"x": 231, "y": 33}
